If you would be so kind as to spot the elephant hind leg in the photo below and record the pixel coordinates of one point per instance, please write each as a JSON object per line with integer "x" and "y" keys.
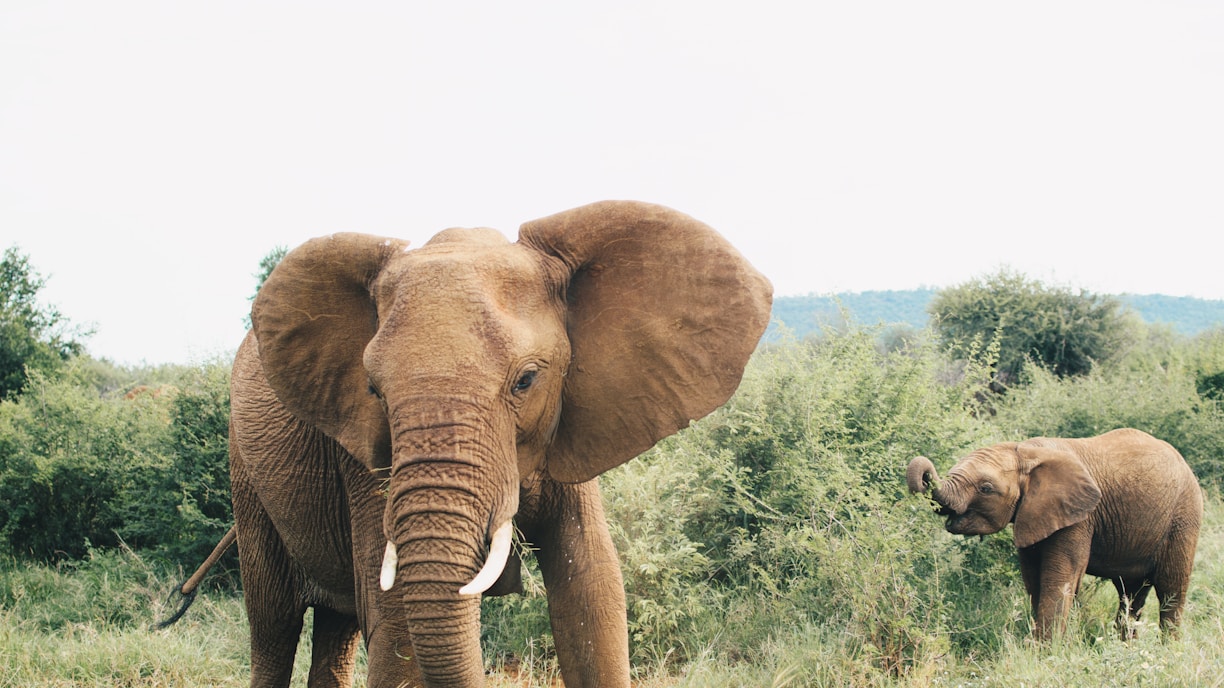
{"x": 334, "y": 649}
{"x": 1132, "y": 595}
{"x": 1172, "y": 577}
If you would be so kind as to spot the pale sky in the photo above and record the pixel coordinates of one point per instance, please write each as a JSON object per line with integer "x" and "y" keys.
{"x": 152, "y": 152}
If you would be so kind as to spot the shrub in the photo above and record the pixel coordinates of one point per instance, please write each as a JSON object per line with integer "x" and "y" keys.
{"x": 82, "y": 470}
{"x": 182, "y": 510}
{"x": 1207, "y": 361}
{"x": 68, "y": 457}
{"x": 789, "y": 504}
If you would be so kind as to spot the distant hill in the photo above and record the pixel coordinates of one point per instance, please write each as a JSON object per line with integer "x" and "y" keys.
{"x": 804, "y": 315}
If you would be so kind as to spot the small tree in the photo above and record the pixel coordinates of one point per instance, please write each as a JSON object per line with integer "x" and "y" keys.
{"x": 266, "y": 265}
{"x": 1065, "y": 332}
{"x": 31, "y": 336}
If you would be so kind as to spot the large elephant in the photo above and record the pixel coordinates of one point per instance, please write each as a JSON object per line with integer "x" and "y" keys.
{"x": 1123, "y": 506}
{"x": 395, "y": 410}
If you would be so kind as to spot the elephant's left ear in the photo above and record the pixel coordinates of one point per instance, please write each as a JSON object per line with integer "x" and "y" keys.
{"x": 662, "y": 315}
{"x": 1060, "y": 492}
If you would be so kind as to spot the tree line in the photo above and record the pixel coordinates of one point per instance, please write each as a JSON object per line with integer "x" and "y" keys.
{"x": 804, "y": 315}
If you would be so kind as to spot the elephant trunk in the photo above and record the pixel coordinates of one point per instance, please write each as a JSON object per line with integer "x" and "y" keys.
{"x": 448, "y": 524}
{"x": 435, "y": 558}
{"x": 921, "y": 474}
{"x": 445, "y": 631}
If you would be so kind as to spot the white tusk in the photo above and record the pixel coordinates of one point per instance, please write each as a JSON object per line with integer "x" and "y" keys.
{"x": 390, "y": 561}
{"x": 499, "y": 552}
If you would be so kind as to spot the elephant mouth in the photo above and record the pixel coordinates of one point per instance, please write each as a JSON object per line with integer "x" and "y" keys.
{"x": 955, "y": 522}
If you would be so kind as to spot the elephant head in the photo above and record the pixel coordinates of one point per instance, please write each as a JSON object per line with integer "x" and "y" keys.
{"x": 1035, "y": 484}
{"x": 470, "y": 366}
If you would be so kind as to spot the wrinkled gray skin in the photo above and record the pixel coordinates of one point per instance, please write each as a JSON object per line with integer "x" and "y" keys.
{"x": 1123, "y": 506}
{"x": 419, "y": 401}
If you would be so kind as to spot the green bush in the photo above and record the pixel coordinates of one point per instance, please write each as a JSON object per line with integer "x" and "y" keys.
{"x": 32, "y": 336}
{"x": 1207, "y": 361}
{"x": 789, "y": 505}
{"x": 80, "y": 469}
{"x": 183, "y": 509}
{"x": 69, "y": 459}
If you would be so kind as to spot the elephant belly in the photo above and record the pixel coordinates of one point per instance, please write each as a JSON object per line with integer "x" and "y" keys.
{"x": 1125, "y": 564}
{"x": 1121, "y": 548}
{"x": 326, "y": 572}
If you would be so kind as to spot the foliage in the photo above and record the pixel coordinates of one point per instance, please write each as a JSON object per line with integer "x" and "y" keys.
{"x": 792, "y": 490}
{"x": 1206, "y": 360}
{"x": 82, "y": 469}
{"x": 187, "y": 508}
{"x": 32, "y": 336}
{"x": 1062, "y": 331}
{"x": 68, "y": 460}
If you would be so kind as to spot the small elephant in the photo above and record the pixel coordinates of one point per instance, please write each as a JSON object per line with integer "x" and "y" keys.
{"x": 1123, "y": 506}
{"x": 394, "y": 411}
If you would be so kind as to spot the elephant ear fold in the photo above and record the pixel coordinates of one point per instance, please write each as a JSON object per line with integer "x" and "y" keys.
{"x": 1060, "y": 492}
{"x": 313, "y": 318}
{"x": 662, "y": 315}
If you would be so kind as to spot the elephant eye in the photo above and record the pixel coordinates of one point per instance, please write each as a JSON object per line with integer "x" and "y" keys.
{"x": 525, "y": 381}
{"x": 986, "y": 488}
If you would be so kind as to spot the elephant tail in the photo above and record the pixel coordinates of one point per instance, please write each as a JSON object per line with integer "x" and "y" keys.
{"x": 187, "y": 591}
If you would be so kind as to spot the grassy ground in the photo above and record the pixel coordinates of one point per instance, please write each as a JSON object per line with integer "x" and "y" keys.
{"x": 88, "y": 625}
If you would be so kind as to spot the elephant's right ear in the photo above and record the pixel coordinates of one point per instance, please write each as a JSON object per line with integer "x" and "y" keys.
{"x": 1059, "y": 493}
{"x": 313, "y": 318}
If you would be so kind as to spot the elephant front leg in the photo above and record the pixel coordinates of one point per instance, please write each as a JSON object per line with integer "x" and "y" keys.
{"x": 586, "y": 594}
{"x": 1052, "y": 571}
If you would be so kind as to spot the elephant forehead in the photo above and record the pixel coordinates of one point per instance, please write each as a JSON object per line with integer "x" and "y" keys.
{"x": 469, "y": 236}
{"x": 470, "y": 266}
{"x": 490, "y": 294}
{"x": 995, "y": 459}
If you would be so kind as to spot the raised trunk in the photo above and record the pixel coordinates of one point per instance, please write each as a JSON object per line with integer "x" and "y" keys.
{"x": 948, "y": 492}
{"x": 920, "y": 474}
